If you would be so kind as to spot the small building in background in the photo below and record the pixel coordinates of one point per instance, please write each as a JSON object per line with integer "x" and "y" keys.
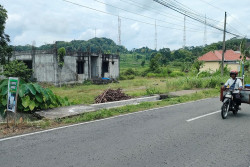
{"x": 212, "y": 60}
{"x": 78, "y": 66}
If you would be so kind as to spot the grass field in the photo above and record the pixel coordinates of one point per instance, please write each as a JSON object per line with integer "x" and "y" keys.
{"x": 85, "y": 94}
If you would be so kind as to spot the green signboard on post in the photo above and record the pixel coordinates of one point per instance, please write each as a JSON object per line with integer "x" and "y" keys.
{"x": 12, "y": 94}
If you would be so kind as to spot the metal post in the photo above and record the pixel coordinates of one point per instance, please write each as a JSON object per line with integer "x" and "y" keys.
{"x": 184, "y": 32}
{"x": 224, "y": 45}
{"x": 155, "y": 36}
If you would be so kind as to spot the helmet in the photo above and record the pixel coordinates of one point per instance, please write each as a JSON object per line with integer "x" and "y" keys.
{"x": 234, "y": 72}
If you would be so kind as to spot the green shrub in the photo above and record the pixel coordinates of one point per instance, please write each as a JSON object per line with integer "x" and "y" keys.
{"x": 122, "y": 77}
{"x": 151, "y": 75}
{"x": 126, "y": 77}
{"x": 195, "y": 82}
{"x": 130, "y": 77}
{"x": 61, "y": 52}
{"x": 130, "y": 71}
{"x": 31, "y": 97}
{"x": 152, "y": 90}
{"x": 214, "y": 82}
{"x": 17, "y": 69}
{"x": 177, "y": 64}
{"x": 204, "y": 74}
{"x": 176, "y": 74}
{"x": 87, "y": 82}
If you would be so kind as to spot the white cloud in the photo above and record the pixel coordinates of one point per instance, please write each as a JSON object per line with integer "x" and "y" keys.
{"x": 135, "y": 26}
{"x": 47, "y": 21}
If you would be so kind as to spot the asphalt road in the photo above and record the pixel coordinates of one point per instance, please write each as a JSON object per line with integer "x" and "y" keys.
{"x": 154, "y": 138}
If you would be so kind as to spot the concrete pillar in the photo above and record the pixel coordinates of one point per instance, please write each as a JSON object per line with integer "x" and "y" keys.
{"x": 33, "y": 56}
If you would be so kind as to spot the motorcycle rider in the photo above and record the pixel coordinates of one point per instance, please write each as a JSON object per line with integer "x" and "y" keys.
{"x": 234, "y": 83}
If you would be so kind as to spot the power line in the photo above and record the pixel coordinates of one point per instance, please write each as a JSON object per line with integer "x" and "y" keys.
{"x": 139, "y": 14}
{"x": 168, "y": 15}
{"x": 209, "y": 3}
{"x": 152, "y": 24}
{"x": 127, "y": 17}
{"x": 190, "y": 14}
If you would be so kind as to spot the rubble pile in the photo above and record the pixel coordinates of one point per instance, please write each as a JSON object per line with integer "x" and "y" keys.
{"x": 111, "y": 95}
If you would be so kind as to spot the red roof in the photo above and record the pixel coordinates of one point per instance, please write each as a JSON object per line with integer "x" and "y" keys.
{"x": 216, "y": 55}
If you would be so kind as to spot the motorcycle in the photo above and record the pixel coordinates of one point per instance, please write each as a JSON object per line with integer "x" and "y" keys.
{"x": 228, "y": 104}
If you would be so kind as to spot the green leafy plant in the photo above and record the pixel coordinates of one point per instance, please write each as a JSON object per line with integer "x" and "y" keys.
{"x": 143, "y": 63}
{"x": 31, "y": 97}
{"x": 17, "y": 69}
{"x": 60, "y": 58}
{"x": 61, "y": 53}
{"x": 152, "y": 90}
{"x": 197, "y": 65}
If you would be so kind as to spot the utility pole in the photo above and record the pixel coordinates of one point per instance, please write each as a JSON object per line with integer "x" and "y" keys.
{"x": 119, "y": 30}
{"x": 224, "y": 45}
{"x": 184, "y": 33}
{"x": 155, "y": 36}
{"x": 205, "y": 31}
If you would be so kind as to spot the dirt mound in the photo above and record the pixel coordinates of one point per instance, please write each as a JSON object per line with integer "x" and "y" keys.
{"x": 111, "y": 95}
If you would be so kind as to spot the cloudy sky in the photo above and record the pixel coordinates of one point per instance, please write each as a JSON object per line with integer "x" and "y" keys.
{"x": 45, "y": 21}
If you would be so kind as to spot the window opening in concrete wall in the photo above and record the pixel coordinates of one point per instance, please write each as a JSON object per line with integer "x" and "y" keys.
{"x": 105, "y": 67}
{"x": 80, "y": 67}
{"x": 28, "y": 63}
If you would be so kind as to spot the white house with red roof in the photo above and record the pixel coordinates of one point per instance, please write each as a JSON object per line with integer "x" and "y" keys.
{"x": 213, "y": 59}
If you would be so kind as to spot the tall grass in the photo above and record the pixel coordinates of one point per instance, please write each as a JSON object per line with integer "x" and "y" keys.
{"x": 194, "y": 82}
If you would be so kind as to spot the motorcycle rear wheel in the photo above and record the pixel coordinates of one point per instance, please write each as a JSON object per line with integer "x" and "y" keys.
{"x": 225, "y": 110}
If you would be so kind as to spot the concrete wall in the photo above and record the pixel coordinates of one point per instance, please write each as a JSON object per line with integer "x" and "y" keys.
{"x": 113, "y": 68}
{"x": 23, "y": 57}
{"x": 213, "y": 66}
{"x": 69, "y": 71}
{"x": 234, "y": 67}
{"x": 45, "y": 67}
{"x": 210, "y": 66}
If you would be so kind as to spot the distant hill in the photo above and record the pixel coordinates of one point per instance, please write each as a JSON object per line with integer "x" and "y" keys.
{"x": 104, "y": 45}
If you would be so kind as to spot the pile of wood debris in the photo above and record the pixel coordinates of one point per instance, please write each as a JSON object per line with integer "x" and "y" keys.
{"x": 111, "y": 95}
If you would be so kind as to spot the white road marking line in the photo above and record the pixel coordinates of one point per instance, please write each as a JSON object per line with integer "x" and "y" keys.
{"x": 64, "y": 127}
{"x": 202, "y": 116}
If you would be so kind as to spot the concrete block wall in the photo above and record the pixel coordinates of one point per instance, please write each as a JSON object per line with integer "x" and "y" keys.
{"x": 23, "y": 57}
{"x": 114, "y": 68}
{"x": 69, "y": 72}
{"x": 45, "y": 70}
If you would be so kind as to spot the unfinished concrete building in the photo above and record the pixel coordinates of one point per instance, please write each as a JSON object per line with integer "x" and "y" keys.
{"x": 78, "y": 66}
